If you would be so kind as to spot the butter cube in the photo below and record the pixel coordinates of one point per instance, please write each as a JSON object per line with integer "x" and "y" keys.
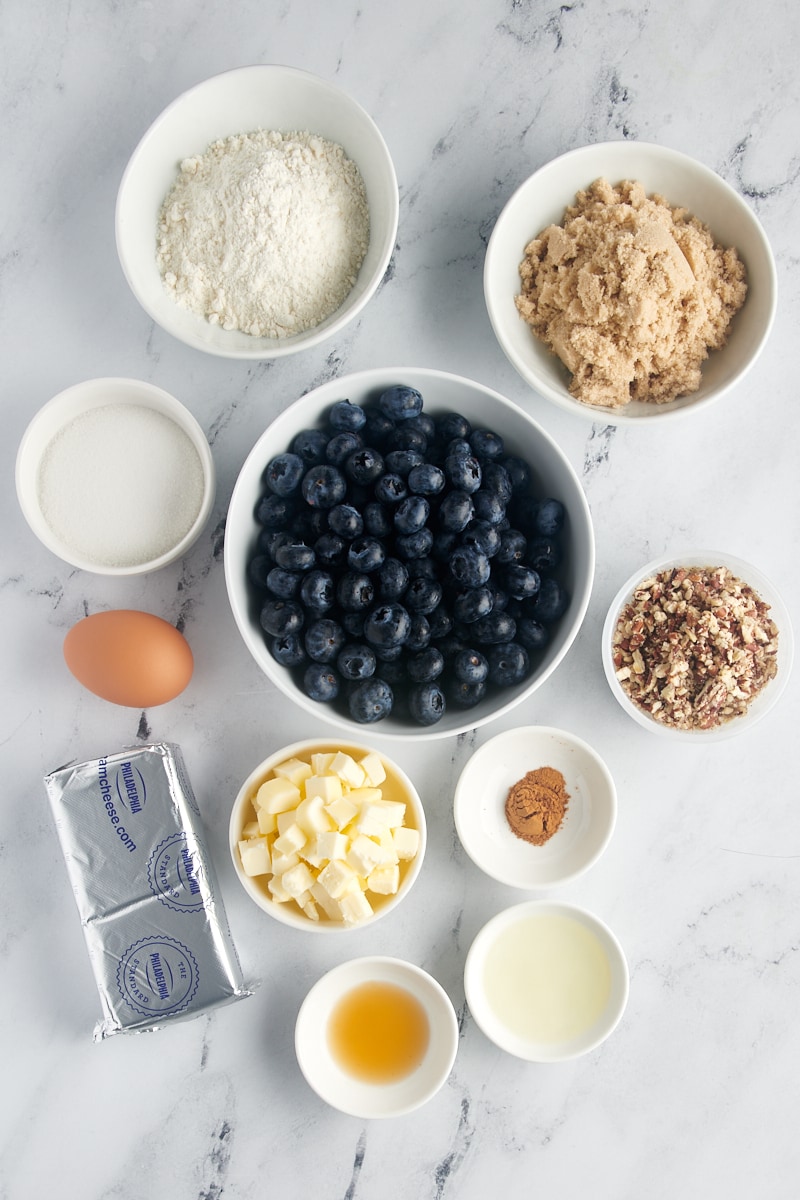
{"x": 325, "y": 846}
{"x": 290, "y": 841}
{"x": 294, "y": 769}
{"x": 338, "y": 878}
{"x": 328, "y": 787}
{"x": 384, "y": 880}
{"x": 348, "y": 770}
{"x": 364, "y": 795}
{"x": 297, "y": 880}
{"x": 311, "y": 816}
{"x": 355, "y": 907}
{"x": 406, "y": 842}
{"x": 332, "y": 908}
{"x": 251, "y": 830}
{"x": 267, "y": 821}
{"x": 254, "y": 855}
{"x": 278, "y": 891}
{"x": 281, "y": 863}
{"x": 365, "y": 854}
{"x": 309, "y": 907}
{"x": 320, "y": 763}
{"x": 341, "y": 811}
{"x": 373, "y": 768}
{"x": 278, "y": 794}
{"x": 377, "y": 815}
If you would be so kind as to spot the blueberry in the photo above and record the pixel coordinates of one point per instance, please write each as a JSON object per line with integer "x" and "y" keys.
{"x": 283, "y": 473}
{"x": 258, "y": 569}
{"x": 426, "y": 479}
{"x": 411, "y": 514}
{"x": 414, "y": 545}
{"x": 405, "y": 437}
{"x": 295, "y": 555}
{"x": 426, "y": 665}
{"x": 426, "y": 703}
{"x": 468, "y": 567}
{"x": 310, "y": 445}
{"x": 281, "y": 617}
{"x": 508, "y": 664}
{"x": 355, "y": 591}
{"x": 551, "y": 602}
{"x": 424, "y": 423}
{"x": 456, "y": 511}
{"x": 488, "y": 507}
{"x": 344, "y": 416}
{"x": 532, "y": 634}
{"x": 402, "y": 462}
{"x": 473, "y": 603}
{"x": 377, "y": 519}
{"x": 366, "y": 554}
{"x": 518, "y": 471}
{"x": 394, "y": 672}
{"x": 466, "y": 695}
{"x": 497, "y": 480}
{"x": 324, "y": 485}
{"x": 323, "y": 640}
{"x": 391, "y": 488}
{"x": 270, "y": 539}
{"x": 464, "y": 472}
{"x": 371, "y": 700}
{"x": 392, "y": 579}
{"x": 308, "y": 524}
{"x": 400, "y": 403}
{"x": 341, "y": 446}
{"x": 422, "y": 594}
{"x": 356, "y": 660}
{"x": 549, "y": 517}
{"x": 469, "y": 666}
{"x": 440, "y": 622}
{"x": 522, "y": 582}
{"x": 423, "y": 568}
{"x": 513, "y": 545}
{"x": 458, "y": 448}
{"x": 353, "y": 624}
{"x": 320, "y": 683}
{"x": 482, "y": 536}
{"x": 486, "y": 444}
{"x": 543, "y": 554}
{"x": 452, "y": 425}
{"x": 444, "y": 543}
{"x": 275, "y": 512}
{"x": 318, "y": 591}
{"x": 387, "y": 625}
{"x": 288, "y": 650}
{"x": 495, "y": 629}
{"x": 283, "y": 583}
{"x": 346, "y": 521}
{"x": 419, "y": 634}
{"x": 364, "y": 466}
{"x": 330, "y": 549}
{"x": 377, "y": 428}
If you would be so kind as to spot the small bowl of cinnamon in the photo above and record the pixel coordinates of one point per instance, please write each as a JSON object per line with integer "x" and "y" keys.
{"x": 535, "y": 807}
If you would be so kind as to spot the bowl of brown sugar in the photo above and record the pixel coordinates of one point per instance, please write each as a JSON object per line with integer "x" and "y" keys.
{"x": 535, "y": 807}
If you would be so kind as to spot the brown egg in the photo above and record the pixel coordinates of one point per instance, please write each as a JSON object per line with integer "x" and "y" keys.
{"x": 130, "y": 658}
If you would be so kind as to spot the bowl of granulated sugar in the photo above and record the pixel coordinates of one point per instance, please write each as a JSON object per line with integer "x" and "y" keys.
{"x": 115, "y": 476}
{"x": 258, "y": 214}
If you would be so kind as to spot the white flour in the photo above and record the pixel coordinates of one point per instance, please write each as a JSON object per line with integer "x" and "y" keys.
{"x": 265, "y": 232}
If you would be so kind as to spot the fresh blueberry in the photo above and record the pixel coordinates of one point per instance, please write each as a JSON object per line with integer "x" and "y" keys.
{"x": 364, "y": 466}
{"x": 423, "y": 568}
{"x": 283, "y": 473}
{"x": 341, "y": 446}
{"x": 270, "y": 539}
{"x": 422, "y": 594}
{"x": 486, "y": 444}
{"x": 377, "y": 428}
{"x": 463, "y": 471}
{"x": 468, "y": 567}
{"x": 330, "y": 549}
{"x": 551, "y": 602}
{"x": 283, "y": 583}
{"x": 400, "y": 403}
{"x": 466, "y": 695}
{"x": 426, "y": 665}
{"x": 469, "y": 666}
{"x": 518, "y": 471}
{"x": 346, "y": 521}
{"x": 513, "y": 545}
{"x": 275, "y": 512}
{"x": 346, "y": 417}
{"x": 488, "y": 507}
{"x": 406, "y": 437}
{"x": 550, "y": 517}
{"x": 411, "y": 514}
{"x": 495, "y": 629}
{"x": 473, "y": 603}
{"x": 323, "y": 640}
{"x": 310, "y": 445}
{"x": 377, "y": 519}
{"x": 414, "y": 545}
{"x": 543, "y": 554}
{"x": 508, "y": 664}
{"x": 371, "y": 700}
{"x": 458, "y": 448}
{"x": 366, "y": 554}
{"x": 456, "y": 511}
{"x": 482, "y": 536}
{"x": 426, "y": 703}
{"x": 419, "y": 634}
{"x": 444, "y": 543}
{"x": 440, "y": 622}
{"x": 452, "y": 425}
{"x": 391, "y": 488}
{"x": 355, "y": 591}
{"x": 295, "y": 555}
{"x": 521, "y": 582}
{"x": 324, "y": 485}
{"x": 402, "y": 462}
{"x": 393, "y": 579}
{"x": 353, "y": 624}
{"x": 356, "y": 660}
{"x": 497, "y": 480}
{"x": 426, "y": 479}
{"x": 318, "y": 591}
{"x": 387, "y": 625}
{"x": 320, "y": 682}
{"x": 281, "y": 617}
{"x": 532, "y": 634}
{"x": 258, "y": 569}
{"x": 288, "y": 650}
{"x": 424, "y": 423}
{"x": 308, "y": 524}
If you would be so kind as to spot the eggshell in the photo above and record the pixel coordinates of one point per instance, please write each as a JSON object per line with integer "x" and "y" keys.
{"x": 130, "y": 658}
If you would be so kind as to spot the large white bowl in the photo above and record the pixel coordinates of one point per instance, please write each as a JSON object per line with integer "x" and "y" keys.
{"x": 354, "y": 1096}
{"x": 242, "y": 101}
{"x": 480, "y": 799}
{"x": 441, "y": 391}
{"x": 762, "y": 703}
{"x": 541, "y": 200}
{"x": 398, "y": 786}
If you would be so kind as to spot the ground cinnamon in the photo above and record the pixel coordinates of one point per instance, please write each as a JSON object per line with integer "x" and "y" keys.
{"x": 536, "y": 804}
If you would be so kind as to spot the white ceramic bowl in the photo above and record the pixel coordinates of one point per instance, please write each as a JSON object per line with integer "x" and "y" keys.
{"x": 546, "y": 982}
{"x": 480, "y": 798}
{"x": 242, "y": 101}
{"x": 355, "y": 1096}
{"x": 762, "y": 703}
{"x": 541, "y": 201}
{"x": 75, "y": 402}
{"x": 397, "y": 786}
{"x": 484, "y": 408}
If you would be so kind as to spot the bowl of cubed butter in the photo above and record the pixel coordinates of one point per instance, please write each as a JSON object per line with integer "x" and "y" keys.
{"x": 327, "y": 835}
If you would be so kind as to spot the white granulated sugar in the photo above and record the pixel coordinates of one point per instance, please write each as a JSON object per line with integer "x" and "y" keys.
{"x": 265, "y": 232}
{"x": 120, "y": 485}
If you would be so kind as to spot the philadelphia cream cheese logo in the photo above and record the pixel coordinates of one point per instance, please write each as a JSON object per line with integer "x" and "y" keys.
{"x": 131, "y": 787}
{"x": 177, "y": 874}
{"x": 157, "y": 976}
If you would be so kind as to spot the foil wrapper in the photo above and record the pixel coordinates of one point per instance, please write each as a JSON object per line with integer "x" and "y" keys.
{"x": 144, "y": 883}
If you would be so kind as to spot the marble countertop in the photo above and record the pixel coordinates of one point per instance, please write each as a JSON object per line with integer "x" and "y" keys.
{"x": 696, "y": 1093}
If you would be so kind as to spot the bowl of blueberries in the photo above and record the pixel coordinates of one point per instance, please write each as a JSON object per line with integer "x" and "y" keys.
{"x": 406, "y": 548}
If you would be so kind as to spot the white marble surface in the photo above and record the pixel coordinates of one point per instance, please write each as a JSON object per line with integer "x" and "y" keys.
{"x": 696, "y": 1094}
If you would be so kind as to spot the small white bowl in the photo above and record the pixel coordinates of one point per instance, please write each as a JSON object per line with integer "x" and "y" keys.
{"x": 762, "y": 703}
{"x": 541, "y": 200}
{"x": 442, "y": 392}
{"x": 243, "y": 101}
{"x": 75, "y": 402}
{"x": 546, "y": 982}
{"x": 352, "y": 1095}
{"x": 397, "y": 786}
{"x": 479, "y": 808}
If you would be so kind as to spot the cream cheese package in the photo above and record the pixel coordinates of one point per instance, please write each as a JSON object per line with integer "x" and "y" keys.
{"x": 145, "y": 886}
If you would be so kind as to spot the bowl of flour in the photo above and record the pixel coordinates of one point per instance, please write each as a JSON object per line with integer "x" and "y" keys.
{"x": 257, "y": 215}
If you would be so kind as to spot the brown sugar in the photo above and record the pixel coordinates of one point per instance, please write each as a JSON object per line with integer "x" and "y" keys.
{"x": 536, "y": 804}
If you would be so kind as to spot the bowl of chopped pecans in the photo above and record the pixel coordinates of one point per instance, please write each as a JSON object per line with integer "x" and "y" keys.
{"x": 697, "y": 646}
